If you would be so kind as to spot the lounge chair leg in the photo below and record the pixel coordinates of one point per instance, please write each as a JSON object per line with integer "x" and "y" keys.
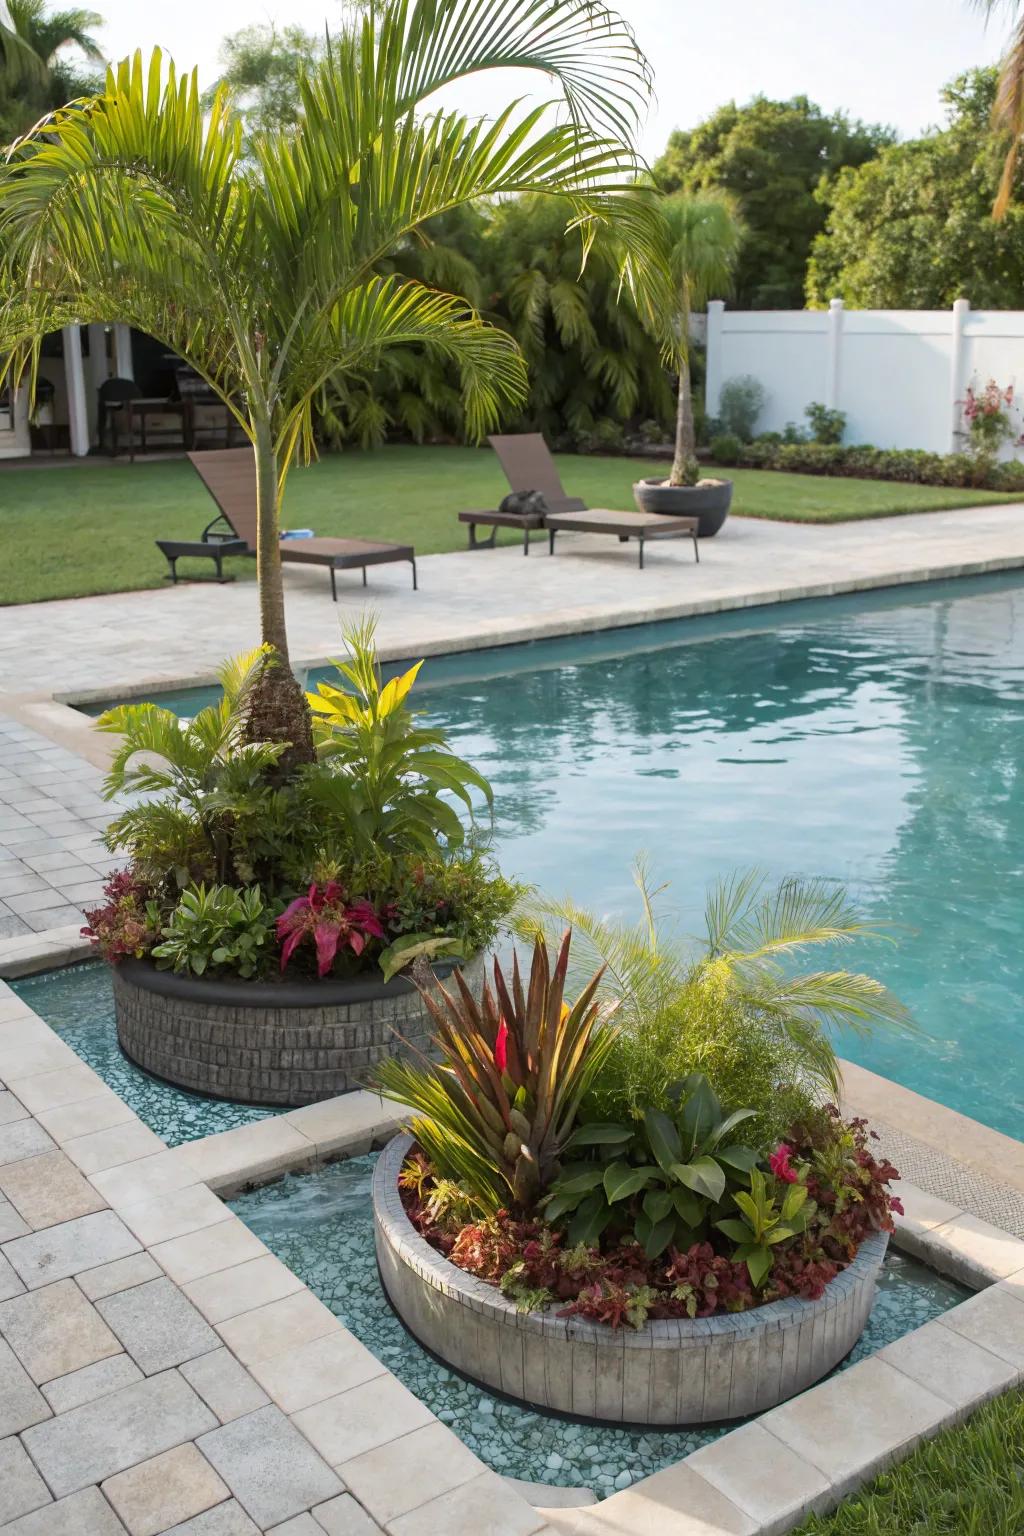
{"x": 415, "y": 584}
{"x": 641, "y": 543}
{"x": 172, "y": 561}
{"x": 526, "y": 541}
{"x": 696, "y": 549}
{"x": 551, "y": 541}
{"x": 364, "y": 575}
{"x": 334, "y": 584}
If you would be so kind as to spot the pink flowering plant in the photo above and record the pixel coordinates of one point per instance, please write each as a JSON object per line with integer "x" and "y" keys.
{"x": 989, "y": 417}
{"x": 331, "y": 920}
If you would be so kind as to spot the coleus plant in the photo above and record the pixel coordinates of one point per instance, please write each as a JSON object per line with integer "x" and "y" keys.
{"x": 496, "y": 1112}
{"x": 331, "y": 920}
{"x": 664, "y": 1177}
{"x": 764, "y": 1221}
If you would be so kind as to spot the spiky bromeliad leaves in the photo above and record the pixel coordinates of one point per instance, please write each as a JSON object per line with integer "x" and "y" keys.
{"x": 495, "y": 1113}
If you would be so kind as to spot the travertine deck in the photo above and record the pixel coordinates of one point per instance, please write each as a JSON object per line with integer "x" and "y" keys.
{"x": 162, "y": 1372}
{"x": 466, "y": 600}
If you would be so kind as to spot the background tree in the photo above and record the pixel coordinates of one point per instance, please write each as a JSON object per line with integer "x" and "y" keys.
{"x": 44, "y": 62}
{"x": 592, "y": 364}
{"x": 261, "y": 271}
{"x": 913, "y": 229}
{"x": 260, "y": 71}
{"x": 705, "y": 236}
{"x": 772, "y": 156}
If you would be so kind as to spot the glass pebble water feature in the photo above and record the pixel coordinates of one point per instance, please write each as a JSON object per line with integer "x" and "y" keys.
{"x": 78, "y": 1003}
{"x": 321, "y": 1225}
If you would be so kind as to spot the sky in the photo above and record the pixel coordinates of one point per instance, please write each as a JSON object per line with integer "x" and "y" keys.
{"x": 881, "y": 60}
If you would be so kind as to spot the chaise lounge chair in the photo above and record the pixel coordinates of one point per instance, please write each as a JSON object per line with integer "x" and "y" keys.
{"x": 229, "y": 475}
{"x": 528, "y": 465}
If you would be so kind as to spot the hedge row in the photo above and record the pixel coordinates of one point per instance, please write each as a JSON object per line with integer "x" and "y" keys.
{"x": 864, "y": 462}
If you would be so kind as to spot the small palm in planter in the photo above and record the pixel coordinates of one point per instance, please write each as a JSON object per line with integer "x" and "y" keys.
{"x": 495, "y": 1114}
{"x": 705, "y": 233}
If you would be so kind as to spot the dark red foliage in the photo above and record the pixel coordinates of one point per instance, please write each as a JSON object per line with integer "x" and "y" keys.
{"x": 121, "y": 927}
{"x": 619, "y": 1284}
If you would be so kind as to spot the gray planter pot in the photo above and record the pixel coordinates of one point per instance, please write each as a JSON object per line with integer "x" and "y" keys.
{"x": 708, "y": 500}
{"x": 254, "y": 1042}
{"x": 669, "y": 1373}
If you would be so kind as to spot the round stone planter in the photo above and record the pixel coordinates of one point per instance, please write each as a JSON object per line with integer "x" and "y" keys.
{"x": 708, "y": 501}
{"x": 287, "y": 1043}
{"x": 669, "y": 1374}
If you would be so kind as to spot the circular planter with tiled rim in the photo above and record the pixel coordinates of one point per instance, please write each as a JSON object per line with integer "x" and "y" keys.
{"x": 273, "y": 1043}
{"x": 670, "y": 1373}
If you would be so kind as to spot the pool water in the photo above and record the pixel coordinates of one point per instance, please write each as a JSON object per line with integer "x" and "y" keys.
{"x": 79, "y": 1004}
{"x": 321, "y": 1225}
{"x": 874, "y": 739}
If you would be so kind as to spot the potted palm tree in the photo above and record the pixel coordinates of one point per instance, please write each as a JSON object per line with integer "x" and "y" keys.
{"x": 705, "y": 234}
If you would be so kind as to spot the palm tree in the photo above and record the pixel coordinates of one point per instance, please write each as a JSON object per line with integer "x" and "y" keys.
{"x": 38, "y": 68}
{"x": 262, "y": 270}
{"x": 705, "y": 235}
{"x": 1008, "y": 112}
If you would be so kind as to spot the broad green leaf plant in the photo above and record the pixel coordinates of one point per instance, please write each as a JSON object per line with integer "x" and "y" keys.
{"x": 262, "y": 263}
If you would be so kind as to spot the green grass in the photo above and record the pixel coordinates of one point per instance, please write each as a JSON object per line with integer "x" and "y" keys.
{"x": 966, "y": 1482}
{"x": 72, "y": 531}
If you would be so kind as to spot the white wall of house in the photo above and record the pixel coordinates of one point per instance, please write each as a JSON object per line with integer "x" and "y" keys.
{"x": 899, "y": 375}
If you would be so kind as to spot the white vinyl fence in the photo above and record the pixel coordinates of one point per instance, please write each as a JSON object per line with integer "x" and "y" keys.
{"x": 900, "y": 375}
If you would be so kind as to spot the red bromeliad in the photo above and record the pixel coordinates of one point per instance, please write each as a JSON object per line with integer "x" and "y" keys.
{"x": 334, "y": 922}
{"x": 780, "y": 1165}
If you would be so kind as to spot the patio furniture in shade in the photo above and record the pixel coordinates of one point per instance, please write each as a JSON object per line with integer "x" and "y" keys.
{"x": 229, "y": 475}
{"x": 645, "y": 527}
{"x": 528, "y": 465}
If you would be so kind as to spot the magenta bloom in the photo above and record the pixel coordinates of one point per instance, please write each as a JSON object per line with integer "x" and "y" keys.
{"x": 333, "y": 921}
{"x": 779, "y": 1163}
{"x": 501, "y": 1047}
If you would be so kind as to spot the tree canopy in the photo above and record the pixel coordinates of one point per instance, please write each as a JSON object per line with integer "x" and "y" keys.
{"x": 772, "y": 156}
{"x": 47, "y": 58}
{"x": 913, "y": 228}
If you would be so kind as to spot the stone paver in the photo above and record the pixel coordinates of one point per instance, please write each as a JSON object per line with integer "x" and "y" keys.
{"x": 82, "y": 1514}
{"x": 121, "y": 1275}
{"x": 343, "y": 1516}
{"x": 92, "y": 1381}
{"x": 278, "y": 1326}
{"x": 21, "y": 1402}
{"x": 11, "y": 1224}
{"x": 157, "y": 1325}
{"x": 432, "y": 1460}
{"x": 217, "y": 1247}
{"x": 10, "y": 1285}
{"x": 164, "y": 1491}
{"x": 94, "y": 1441}
{"x": 224, "y": 1385}
{"x": 75, "y": 1245}
{"x": 102, "y": 1111}
{"x": 316, "y": 1371}
{"x": 228, "y": 1519}
{"x": 363, "y": 1418}
{"x": 21, "y": 1487}
{"x": 55, "y": 1331}
{"x": 22, "y": 1138}
{"x": 271, "y": 1470}
{"x": 48, "y": 1189}
{"x": 483, "y": 1507}
{"x": 230, "y": 1292}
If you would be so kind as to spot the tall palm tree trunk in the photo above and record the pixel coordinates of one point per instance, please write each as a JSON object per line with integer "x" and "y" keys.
{"x": 686, "y": 441}
{"x": 278, "y": 711}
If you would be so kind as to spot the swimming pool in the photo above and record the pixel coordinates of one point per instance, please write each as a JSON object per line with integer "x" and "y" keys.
{"x": 873, "y": 739}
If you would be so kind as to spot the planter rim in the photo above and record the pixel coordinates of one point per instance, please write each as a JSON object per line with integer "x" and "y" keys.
{"x": 235, "y": 992}
{"x": 662, "y": 480}
{"x": 434, "y": 1268}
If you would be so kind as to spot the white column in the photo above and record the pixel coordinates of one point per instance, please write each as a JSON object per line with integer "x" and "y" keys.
{"x": 124, "y": 363}
{"x": 74, "y": 376}
{"x": 713, "y": 366}
{"x": 957, "y": 381}
{"x": 835, "y": 348}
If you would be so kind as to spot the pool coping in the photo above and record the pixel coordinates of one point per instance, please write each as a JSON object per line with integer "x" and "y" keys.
{"x": 887, "y": 1403}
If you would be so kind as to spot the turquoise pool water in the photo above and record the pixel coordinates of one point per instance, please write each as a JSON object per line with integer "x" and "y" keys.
{"x": 321, "y": 1226}
{"x": 876, "y": 740}
{"x": 79, "y": 1004}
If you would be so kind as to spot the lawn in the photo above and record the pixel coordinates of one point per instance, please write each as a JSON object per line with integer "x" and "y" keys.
{"x": 70, "y": 531}
{"x": 967, "y": 1482}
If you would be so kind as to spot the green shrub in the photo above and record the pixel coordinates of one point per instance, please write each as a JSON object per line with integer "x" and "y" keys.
{"x": 827, "y": 424}
{"x": 653, "y": 432}
{"x": 913, "y": 466}
{"x": 740, "y": 403}
{"x": 727, "y": 448}
{"x": 219, "y": 928}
